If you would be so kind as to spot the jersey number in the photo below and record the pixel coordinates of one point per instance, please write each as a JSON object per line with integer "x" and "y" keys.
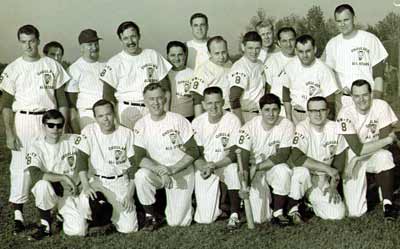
{"x": 241, "y": 139}
{"x": 295, "y": 140}
{"x": 237, "y": 79}
{"x": 344, "y": 127}
{"x": 195, "y": 85}
{"x": 78, "y": 140}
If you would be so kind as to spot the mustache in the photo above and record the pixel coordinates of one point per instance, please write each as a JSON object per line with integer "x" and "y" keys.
{"x": 133, "y": 43}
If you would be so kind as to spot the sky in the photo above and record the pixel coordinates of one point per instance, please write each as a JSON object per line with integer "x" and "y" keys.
{"x": 160, "y": 21}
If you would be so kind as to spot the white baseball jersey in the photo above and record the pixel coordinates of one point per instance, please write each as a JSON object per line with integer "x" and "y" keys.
{"x": 163, "y": 139}
{"x": 274, "y": 71}
{"x": 33, "y": 84}
{"x": 59, "y": 158}
{"x": 181, "y": 100}
{"x": 130, "y": 74}
{"x": 322, "y": 145}
{"x": 306, "y": 82}
{"x": 353, "y": 58}
{"x": 201, "y": 52}
{"x": 366, "y": 126}
{"x": 210, "y": 74}
{"x": 85, "y": 81}
{"x": 264, "y": 143}
{"x": 250, "y": 77}
{"x": 108, "y": 153}
{"x": 263, "y": 55}
{"x": 216, "y": 138}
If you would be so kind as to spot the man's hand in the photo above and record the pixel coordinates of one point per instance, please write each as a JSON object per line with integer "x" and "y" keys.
{"x": 333, "y": 194}
{"x": 205, "y": 173}
{"x": 253, "y": 171}
{"x": 167, "y": 181}
{"x": 72, "y": 187}
{"x": 89, "y": 191}
{"x": 244, "y": 193}
{"x": 349, "y": 171}
{"x": 162, "y": 170}
{"x": 128, "y": 203}
{"x": 13, "y": 142}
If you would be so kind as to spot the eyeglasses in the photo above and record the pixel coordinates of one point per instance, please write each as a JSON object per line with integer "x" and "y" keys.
{"x": 52, "y": 125}
{"x": 317, "y": 111}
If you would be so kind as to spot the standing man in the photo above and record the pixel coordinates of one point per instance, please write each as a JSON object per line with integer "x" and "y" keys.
{"x": 215, "y": 134}
{"x": 354, "y": 54}
{"x": 180, "y": 76}
{"x": 276, "y": 62}
{"x": 247, "y": 79}
{"x": 127, "y": 73}
{"x": 267, "y": 139}
{"x": 213, "y": 72}
{"x": 107, "y": 148}
{"x": 306, "y": 77}
{"x": 165, "y": 151}
{"x": 54, "y": 50}
{"x": 318, "y": 152}
{"x": 367, "y": 128}
{"x": 31, "y": 85}
{"x": 85, "y": 87}
{"x": 265, "y": 29}
{"x": 198, "y": 45}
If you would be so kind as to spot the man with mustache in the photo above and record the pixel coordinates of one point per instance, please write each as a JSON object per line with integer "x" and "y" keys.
{"x": 127, "y": 73}
{"x": 85, "y": 87}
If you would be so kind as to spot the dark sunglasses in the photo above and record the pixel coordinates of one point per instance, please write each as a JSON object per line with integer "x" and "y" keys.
{"x": 51, "y": 125}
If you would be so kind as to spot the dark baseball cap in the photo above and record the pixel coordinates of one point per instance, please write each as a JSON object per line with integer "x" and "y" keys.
{"x": 88, "y": 35}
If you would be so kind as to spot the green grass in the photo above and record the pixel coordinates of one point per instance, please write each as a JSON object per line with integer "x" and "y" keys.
{"x": 367, "y": 232}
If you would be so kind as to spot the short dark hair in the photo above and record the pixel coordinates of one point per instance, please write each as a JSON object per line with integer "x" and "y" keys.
{"x": 153, "y": 86}
{"x": 285, "y": 30}
{"x": 217, "y": 38}
{"x": 269, "y": 98}
{"x": 52, "y": 114}
{"x": 53, "y": 44}
{"x": 28, "y": 30}
{"x": 359, "y": 83}
{"x": 102, "y": 102}
{"x": 343, "y": 7}
{"x": 177, "y": 44}
{"x": 126, "y": 25}
{"x": 212, "y": 90}
{"x": 315, "y": 99}
{"x": 252, "y": 36}
{"x": 303, "y": 39}
{"x": 198, "y": 15}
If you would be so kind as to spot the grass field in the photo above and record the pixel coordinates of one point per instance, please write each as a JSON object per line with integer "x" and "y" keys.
{"x": 367, "y": 232}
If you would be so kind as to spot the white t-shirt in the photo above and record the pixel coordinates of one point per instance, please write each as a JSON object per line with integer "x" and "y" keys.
{"x": 264, "y": 143}
{"x": 130, "y": 74}
{"x": 216, "y": 138}
{"x": 33, "y": 84}
{"x": 108, "y": 153}
{"x": 181, "y": 100}
{"x": 250, "y": 77}
{"x": 201, "y": 50}
{"x": 353, "y": 59}
{"x": 85, "y": 81}
{"x": 164, "y": 139}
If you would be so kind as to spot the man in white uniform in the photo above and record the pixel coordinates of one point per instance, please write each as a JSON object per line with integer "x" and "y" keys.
{"x": 247, "y": 79}
{"x": 354, "y": 54}
{"x": 213, "y": 72}
{"x": 215, "y": 134}
{"x": 266, "y": 30}
{"x": 127, "y": 73}
{"x": 306, "y": 77}
{"x": 165, "y": 151}
{"x": 198, "y": 53}
{"x": 85, "y": 87}
{"x": 106, "y": 150}
{"x": 318, "y": 152}
{"x": 31, "y": 85}
{"x": 267, "y": 139}
{"x": 367, "y": 127}
{"x": 180, "y": 76}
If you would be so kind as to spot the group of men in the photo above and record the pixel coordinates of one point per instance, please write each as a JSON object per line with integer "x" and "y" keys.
{"x": 142, "y": 123}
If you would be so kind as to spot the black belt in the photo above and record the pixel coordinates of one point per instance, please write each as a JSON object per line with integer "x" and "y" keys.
{"x": 110, "y": 177}
{"x": 134, "y": 104}
{"x": 301, "y": 111}
{"x": 32, "y": 113}
{"x": 345, "y": 94}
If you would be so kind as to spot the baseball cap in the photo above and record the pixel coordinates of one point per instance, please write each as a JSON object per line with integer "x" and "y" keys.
{"x": 88, "y": 35}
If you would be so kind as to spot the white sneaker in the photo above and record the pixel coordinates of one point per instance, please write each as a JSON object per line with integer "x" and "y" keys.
{"x": 233, "y": 222}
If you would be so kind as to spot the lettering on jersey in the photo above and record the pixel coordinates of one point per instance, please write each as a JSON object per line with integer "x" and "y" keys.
{"x": 150, "y": 70}
{"x": 313, "y": 88}
{"x": 185, "y": 84}
{"x": 106, "y": 68}
{"x": 330, "y": 146}
{"x": 173, "y": 136}
{"x": 372, "y": 127}
{"x": 47, "y": 79}
{"x": 29, "y": 156}
{"x": 238, "y": 77}
{"x": 297, "y": 136}
{"x": 3, "y": 76}
{"x": 343, "y": 123}
{"x": 243, "y": 135}
{"x": 119, "y": 154}
{"x": 224, "y": 138}
{"x": 360, "y": 56}
{"x": 195, "y": 83}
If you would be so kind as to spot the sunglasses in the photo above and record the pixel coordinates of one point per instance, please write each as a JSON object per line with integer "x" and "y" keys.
{"x": 52, "y": 125}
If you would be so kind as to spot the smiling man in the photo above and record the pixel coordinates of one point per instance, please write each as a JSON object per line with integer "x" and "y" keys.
{"x": 213, "y": 72}
{"x": 265, "y": 29}
{"x": 198, "y": 45}
{"x": 306, "y": 77}
{"x": 127, "y": 73}
{"x": 354, "y": 54}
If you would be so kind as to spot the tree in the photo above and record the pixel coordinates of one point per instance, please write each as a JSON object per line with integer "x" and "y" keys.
{"x": 316, "y": 27}
{"x": 389, "y": 27}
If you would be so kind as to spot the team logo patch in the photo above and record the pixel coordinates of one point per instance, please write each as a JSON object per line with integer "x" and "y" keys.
{"x": 186, "y": 87}
{"x": 173, "y": 137}
{"x": 372, "y": 126}
{"x": 118, "y": 155}
{"x": 332, "y": 149}
{"x": 71, "y": 161}
{"x": 224, "y": 141}
{"x": 360, "y": 55}
{"x": 311, "y": 90}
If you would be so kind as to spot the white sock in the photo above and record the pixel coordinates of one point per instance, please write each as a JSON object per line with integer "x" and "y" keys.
{"x": 278, "y": 212}
{"x": 234, "y": 215}
{"x": 18, "y": 215}
{"x": 46, "y": 224}
{"x": 386, "y": 202}
{"x": 294, "y": 209}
